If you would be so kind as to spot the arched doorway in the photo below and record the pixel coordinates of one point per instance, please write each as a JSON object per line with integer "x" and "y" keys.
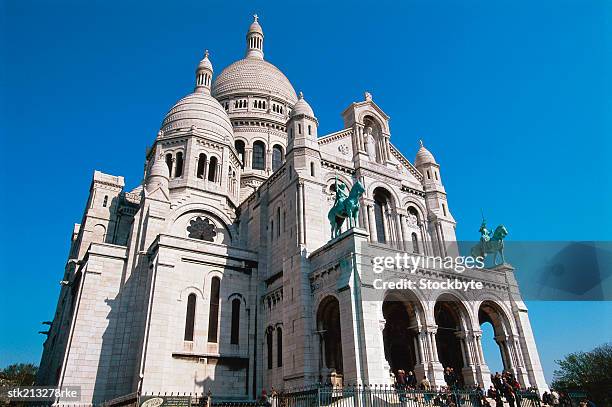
{"x": 495, "y": 328}
{"x": 402, "y": 324}
{"x": 451, "y": 319}
{"x": 328, "y": 329}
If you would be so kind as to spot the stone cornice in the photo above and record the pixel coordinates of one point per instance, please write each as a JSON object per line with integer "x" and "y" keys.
{"x": 330, "y": 138}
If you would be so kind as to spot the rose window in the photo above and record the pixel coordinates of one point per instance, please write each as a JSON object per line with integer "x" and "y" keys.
{"x": 202, "y": 229}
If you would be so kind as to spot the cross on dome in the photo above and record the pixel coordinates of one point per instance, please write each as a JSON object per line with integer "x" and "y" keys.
{"x": 255, "y": 17}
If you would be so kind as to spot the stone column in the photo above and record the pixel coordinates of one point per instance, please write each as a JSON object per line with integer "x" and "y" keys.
{"x": 363, "y": 217}
{"x": 372, "y": 222}
{"x": 400, "y": 231}
{"x": 205, "y": 175}
{"x": 469, "y": 371}
{"x": 386, "y": 228}
{"x": 421, "y": 350}
{"x": 248, "y": 158}
{"x": 385, "y": 363}
{"x": 407, "y": 240}
{"x": 435, "y": 369}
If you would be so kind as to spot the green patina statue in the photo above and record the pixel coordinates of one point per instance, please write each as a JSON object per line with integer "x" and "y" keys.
{"x": 490, "y": 244}
{"x": 346, "y": 205}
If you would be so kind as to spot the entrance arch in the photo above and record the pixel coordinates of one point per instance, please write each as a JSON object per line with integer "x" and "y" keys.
{"x": 403, "y": 320}
{"x": 491, "y": 313}
{"x": 328, "y": 328}
{"x": 452, "y": 320}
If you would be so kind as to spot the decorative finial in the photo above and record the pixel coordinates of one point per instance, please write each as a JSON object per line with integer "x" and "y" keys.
{"x": 256, "y": 17}
{"x": 206, "y": 54}
{"x": 368, "y": 96}
{"x": 421, "y": 142}
{"x": 301, "y": 95}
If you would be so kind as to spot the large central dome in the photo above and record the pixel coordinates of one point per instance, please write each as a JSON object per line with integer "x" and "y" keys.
{"x": 253, "y": 75}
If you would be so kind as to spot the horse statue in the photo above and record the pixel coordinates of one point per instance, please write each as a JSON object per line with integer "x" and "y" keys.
{"x": 491, "y": 245}
{"x": 345, "y": 207}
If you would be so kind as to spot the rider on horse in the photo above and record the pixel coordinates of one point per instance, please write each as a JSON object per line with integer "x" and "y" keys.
{"x": 485, "y": 234}
{"x": 341, "y": 193}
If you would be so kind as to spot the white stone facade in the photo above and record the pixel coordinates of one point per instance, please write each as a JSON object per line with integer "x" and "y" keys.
{"x": 218, "y": 271}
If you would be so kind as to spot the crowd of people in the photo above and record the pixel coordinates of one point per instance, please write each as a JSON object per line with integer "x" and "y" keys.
{"x": 505, "y": 388}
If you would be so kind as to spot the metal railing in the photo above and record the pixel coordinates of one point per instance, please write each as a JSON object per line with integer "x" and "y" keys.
{"x": 347, "y": 396}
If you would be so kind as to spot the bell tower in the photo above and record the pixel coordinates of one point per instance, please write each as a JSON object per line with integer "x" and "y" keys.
{"x": 441, "y": 222}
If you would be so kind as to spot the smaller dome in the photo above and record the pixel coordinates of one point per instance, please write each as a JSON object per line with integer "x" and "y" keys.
{"x": 205, "y": 63}
{"x": 199, "y": 110}
{"x": 255, "y": 27}
{"x": 423, "y": 156}
{"x": 302, "y": 107}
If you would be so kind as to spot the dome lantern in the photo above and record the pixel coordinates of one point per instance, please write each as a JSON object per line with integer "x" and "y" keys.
{"x": 204, "y": 74}
{"x": 254, "y": 40}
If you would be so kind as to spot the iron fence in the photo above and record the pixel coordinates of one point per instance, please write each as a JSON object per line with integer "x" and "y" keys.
{"x": 347, "y": 396}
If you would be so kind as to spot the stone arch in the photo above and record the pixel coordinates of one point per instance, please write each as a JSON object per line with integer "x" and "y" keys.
{"x": 328, "y": 320}
{"x": 330, "y": 178}
{"x": 492, "y": 312}
{"x": 99, "y": 233}
{"x": 210, "y": 275}
{"x": 237, "y": 295}
{"x": 453, "y": 321}
{"x": 259, "y": 155}
{"x": 419, "y": 206}
{"x": 374, "y": 184}
{"x": 278, "y": 156}
{"x": 380, "y": 120}
{"x": 178, "y": 221}
{"x": 404, "y": 317}
{"x": 188, "y": 290}
{"x": 383, "y": 205}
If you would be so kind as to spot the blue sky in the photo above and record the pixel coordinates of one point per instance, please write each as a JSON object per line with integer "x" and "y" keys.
{"x": 512, "y": 97}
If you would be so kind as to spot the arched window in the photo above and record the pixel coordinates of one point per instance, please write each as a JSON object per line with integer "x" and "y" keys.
{"x": 309, "y": 130}
{"x": 299, "y": 128}
{"x": 201, "y": 165}
{"x": 169, "y": 164}
{"x": 259, "y": 155}
{"x": 269, "y": 346}
{"x": 312, "y": 169}
{"x": 190, "y": 317}
{"x": 239, "y": 144}
{"x": 235, "y": 328}
{"x": 179, "y": 165}
{"x": 277, "y": 157}
{"x": 105, "y": 201}
{"x": 415, "y": 243}
{"x": 444, "y": 209}
{"x": 381, "y": 204}
{"x": 279, "y": 347}
{"x": 213, "y": 317}
{"x": 212, "y": 169}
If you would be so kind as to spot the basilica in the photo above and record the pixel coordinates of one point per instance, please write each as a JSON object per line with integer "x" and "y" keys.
{"x": 221, "y": 272}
